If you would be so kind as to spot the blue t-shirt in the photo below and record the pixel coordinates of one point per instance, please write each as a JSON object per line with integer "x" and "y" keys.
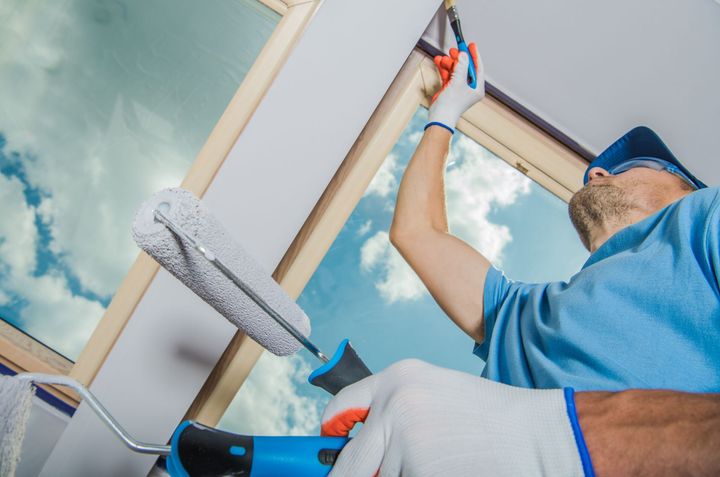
{"x": 644, "y": 311}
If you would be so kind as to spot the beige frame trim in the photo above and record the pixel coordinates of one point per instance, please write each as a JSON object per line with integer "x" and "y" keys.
{"x": 22, "y": 353}
{"x": 489, "y": 123}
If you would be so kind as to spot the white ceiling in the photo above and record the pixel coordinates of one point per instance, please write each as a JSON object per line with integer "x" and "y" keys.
{"x": 596, "y": 69}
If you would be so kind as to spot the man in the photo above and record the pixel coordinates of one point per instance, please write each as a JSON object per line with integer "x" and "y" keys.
{"x": 644, "y": 310}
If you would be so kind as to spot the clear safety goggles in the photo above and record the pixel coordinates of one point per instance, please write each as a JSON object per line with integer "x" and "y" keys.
{"x": 654, "y": 164}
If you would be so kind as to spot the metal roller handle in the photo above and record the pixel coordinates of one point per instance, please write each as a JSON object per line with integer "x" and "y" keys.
{"x": 90, "y": 399}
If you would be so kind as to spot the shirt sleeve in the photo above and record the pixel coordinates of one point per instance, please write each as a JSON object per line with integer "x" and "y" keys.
{"x": 498, "y": 288}
{"x": 712, "y": 238}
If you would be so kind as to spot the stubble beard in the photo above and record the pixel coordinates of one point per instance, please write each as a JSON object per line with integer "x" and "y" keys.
{"x": 596, "y": 206}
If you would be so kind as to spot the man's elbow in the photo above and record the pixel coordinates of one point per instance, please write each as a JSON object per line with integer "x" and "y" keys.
{"x": 402, "y": 235}
{"x": 397, "y": 235}
{"x": 399, "y": 231}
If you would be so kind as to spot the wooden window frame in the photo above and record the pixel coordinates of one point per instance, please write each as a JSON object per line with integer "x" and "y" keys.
{"x": 22, "y": 353}
{"x": 490, "y": 123}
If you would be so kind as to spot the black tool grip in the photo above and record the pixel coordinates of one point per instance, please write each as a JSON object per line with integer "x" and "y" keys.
{"x": 199, "y": 450}
{"x": 344, "y": 369}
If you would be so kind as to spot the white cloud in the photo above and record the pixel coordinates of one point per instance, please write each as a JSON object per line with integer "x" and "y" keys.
{"x": 52, "y": 314}
{"x": 90, "y": 225}
{"x": 414, "y": 138}
{"x": 397, "y": 281}
{"x": 107, "y": 123}
{"x": 478, "y": 183}
{"x": 384, "y": 181}
{"x": 269, "y": 403}
{"x": 365, "y": 228}
{"x": 18, "y": 235}
{"x": 373, "y": 251}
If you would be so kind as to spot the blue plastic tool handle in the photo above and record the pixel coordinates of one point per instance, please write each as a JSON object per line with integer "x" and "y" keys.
{"x": 344, "y": 369}
{"x": 472, "y": 67}
{"x": 198, "y": 450}
{"x": 296, "y": 456}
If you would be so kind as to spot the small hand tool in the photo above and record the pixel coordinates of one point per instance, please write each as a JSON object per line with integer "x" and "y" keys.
{"x": 454, "y": 18}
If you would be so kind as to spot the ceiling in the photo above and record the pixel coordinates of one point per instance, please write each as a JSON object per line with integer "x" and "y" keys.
{"x": 596, "y": 69}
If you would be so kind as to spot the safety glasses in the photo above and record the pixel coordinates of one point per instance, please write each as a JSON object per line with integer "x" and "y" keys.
{"x": 651, "y": 163}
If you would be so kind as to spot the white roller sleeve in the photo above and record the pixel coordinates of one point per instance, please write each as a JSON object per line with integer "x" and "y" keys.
{"x": 202, "y": 277}
{"x": 15, "y": 404}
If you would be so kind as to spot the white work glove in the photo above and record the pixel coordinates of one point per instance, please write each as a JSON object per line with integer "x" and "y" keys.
{"x": 423, "y": 421}
{"x": 456, "y": 96}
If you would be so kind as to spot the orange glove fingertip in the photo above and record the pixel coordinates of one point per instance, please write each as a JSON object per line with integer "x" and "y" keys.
{"x": 341, "y": 424}
{"x": 448, "y": 63}
{"x": 474, "y": 53}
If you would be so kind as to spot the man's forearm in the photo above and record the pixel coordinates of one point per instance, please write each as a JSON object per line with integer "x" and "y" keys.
{"x": 421, "y": 197}
{"x": 453, "y": 272}
{"x": 654, "y": 433}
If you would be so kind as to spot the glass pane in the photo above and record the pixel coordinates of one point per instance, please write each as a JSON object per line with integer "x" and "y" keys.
{"x": 102, "y": 103}
{"x": 364, "y": 290}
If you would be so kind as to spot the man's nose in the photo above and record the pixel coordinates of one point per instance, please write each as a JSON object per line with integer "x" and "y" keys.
{"x": 596, "y": 172}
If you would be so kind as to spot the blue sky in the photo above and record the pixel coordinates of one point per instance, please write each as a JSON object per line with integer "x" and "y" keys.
{"x": 92, "y": 122}
{"x": 362, "y": 290}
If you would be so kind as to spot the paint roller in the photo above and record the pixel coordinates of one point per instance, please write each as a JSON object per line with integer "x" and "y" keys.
{"x": 178, "y": 231}
{"x": 194, "y": 450}
{"x": 454, "y": 18}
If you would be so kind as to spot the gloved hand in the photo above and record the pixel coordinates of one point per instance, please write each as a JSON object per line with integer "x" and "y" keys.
{"x": 456, "y": 96}
{"x": 422, "y": 421}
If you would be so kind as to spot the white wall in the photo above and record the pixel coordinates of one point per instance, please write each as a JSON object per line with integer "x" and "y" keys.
{"x": 595, "y": 69}
{"x": 44, "y": 428}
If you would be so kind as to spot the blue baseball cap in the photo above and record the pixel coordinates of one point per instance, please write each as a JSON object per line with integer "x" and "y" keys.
{"x": 640, "y": 144}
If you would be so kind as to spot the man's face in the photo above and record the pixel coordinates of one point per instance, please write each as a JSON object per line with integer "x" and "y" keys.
{"x": 612, "y": 200}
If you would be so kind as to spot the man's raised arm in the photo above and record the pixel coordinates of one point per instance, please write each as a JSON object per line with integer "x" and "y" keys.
{"x": 452, "y": 271}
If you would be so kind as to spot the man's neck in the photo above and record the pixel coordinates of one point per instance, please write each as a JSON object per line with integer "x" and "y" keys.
{"x": 602, "y": 234}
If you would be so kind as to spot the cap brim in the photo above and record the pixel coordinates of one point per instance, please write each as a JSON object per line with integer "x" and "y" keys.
{"x": 639, "y": 142}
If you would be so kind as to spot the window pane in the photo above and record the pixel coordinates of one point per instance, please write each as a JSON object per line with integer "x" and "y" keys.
{"x": 363, "y": 289}
{"x": 102, "y": 103}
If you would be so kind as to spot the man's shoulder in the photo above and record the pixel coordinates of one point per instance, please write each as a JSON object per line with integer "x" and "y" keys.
{"x": 703, "y": 200}
{"x": 696, "y": 214}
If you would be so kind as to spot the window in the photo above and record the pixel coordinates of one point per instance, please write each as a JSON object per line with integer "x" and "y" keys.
{"x": 363, "y": 289}
{"x": 102, "y": 104}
